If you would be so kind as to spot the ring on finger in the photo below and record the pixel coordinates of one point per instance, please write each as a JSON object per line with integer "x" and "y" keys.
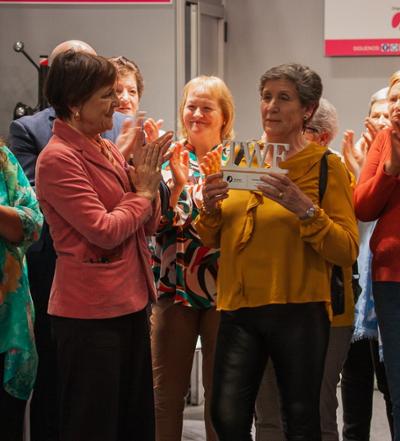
{"x": 281, "y": 194}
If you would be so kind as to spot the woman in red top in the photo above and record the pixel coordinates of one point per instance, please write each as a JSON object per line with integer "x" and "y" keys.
{"x": 378, "y": 197}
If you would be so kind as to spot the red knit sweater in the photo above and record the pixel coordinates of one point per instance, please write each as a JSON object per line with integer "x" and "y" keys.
{"x": 377, "y": 196}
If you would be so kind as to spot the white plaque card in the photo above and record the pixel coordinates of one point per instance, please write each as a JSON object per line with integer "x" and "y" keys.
{"x": 246, "y": 175}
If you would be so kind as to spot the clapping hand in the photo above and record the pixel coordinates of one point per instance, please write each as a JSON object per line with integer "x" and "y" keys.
{"x": 370, "y": 134}
{"x": 179, "y": 163}
{"x": 215, "y": 190}
{"x": 392, "y": 166}
{"x": 354, "y": 156}
{"x": 212, "y": 162}
{"x": 130, "y": 138}
{"x": 145, "y": 175}
{"x": 152, "y": 128}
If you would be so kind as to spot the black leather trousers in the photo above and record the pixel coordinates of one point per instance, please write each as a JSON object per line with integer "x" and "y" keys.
{"x": 295, "y": 337}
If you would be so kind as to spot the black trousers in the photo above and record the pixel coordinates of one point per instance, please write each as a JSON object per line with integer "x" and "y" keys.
{"x": 295, "y": 337}
{"x": 41, "y": 259}
{"x": 12, "y": 411}
{"x": 387, "y": 306}
{"x": 357, "y": 387}
{"x": 105, "y": 379}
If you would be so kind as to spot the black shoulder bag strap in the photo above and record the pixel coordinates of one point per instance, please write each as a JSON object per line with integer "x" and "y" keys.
{"x": 323, "y": 182}
{"x": 323, "y": 176}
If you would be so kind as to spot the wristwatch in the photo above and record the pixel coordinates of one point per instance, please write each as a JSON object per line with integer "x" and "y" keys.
{"x": 310, "y": 213}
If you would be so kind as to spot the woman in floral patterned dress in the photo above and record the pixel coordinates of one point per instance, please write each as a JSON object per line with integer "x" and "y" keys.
{"x": 20, "y": 224}
{"x": 186, "y": 270}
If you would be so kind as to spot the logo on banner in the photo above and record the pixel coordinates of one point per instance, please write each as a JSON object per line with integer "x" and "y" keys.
{"x": 396, "y": 20}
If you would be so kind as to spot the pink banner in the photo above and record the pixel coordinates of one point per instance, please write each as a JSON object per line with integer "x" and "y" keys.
{"x": 374, "y": 47}
{"x": 145, "y": 2}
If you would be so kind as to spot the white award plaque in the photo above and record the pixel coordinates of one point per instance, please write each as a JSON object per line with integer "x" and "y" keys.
{"x": 246, "y": 175}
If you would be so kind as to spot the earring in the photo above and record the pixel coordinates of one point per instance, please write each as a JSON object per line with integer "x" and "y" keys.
{"x": 305, "y": 117}
{"x": 77, "y": 116}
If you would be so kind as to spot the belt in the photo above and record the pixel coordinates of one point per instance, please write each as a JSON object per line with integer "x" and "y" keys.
{"x": 106, "y": 259}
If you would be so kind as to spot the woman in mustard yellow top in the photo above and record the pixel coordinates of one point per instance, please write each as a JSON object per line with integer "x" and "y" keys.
{"x": 277, "y": 250}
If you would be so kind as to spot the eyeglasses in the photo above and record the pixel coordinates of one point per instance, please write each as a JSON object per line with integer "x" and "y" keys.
{"x": 311, "y": 130}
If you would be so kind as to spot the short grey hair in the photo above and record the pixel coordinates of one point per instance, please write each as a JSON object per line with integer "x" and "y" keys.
{"x": 379, "y": 95}
{"x": 307, "y": 82}
{"x": 325, "y": 119}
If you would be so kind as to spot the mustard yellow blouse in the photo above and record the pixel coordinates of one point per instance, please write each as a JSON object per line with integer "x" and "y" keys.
{"x": 267, "y": 254}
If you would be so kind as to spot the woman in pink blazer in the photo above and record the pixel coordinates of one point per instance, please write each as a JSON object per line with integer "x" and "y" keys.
{"x": 99, "y": 211}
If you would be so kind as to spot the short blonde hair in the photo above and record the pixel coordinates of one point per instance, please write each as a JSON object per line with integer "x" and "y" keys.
{"x": 220, "y": 92}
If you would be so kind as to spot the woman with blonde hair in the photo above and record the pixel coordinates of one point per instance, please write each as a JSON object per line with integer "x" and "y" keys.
{"x": 185, "y": 269}
{"x": 377, "y": 197}
{"x": 363, "y": 362}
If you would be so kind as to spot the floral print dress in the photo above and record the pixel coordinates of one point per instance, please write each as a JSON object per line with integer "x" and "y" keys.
{"x": 16, "y": 307}
{"x": 184, "y": 269}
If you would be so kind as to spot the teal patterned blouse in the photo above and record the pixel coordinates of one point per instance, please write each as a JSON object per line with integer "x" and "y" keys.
{"x": 16, "y": 307}
{"x": 184, "y": 269}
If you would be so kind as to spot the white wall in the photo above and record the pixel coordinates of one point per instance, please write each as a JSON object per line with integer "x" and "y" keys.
{"x": 261, "y": 34}
{"x": 265, "y": 33}
{"x": 144, "y": 33}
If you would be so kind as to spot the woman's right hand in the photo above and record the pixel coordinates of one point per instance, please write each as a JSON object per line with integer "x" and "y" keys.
{"x": 179, "y": 164}
{"x": 354, "y": 157}
{"x": 215, "y": 190}
{"x": 146, "y": 174}
{"x": 370, "y": 133}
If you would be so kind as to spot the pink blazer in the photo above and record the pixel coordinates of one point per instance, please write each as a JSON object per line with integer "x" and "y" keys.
{"x": 99, "y": 228}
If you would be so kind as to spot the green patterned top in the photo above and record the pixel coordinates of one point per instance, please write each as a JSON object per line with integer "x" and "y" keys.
{"x": 16, "y": 307}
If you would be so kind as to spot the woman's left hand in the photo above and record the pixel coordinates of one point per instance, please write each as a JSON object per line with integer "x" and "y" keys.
{"x": 211, "y": 163}
{"x": 284, "y": 191}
